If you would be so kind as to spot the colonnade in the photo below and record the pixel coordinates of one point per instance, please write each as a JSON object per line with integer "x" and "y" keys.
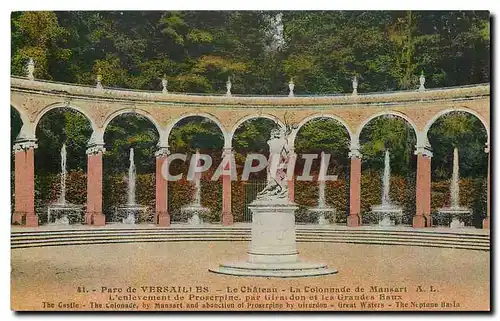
{"x": 420, "y": 108}
{"x": 24, "y": 213}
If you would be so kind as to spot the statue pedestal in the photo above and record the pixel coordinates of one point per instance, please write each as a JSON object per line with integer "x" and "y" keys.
{"x": 273, "y": 251}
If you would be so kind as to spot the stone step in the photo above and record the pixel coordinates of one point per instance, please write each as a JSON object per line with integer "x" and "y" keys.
{"x": 183, "y": 239}
{"x": 335, "y": 233}
{"x": 471, "y": 239}
{"x": 244, "y": 230}
{"x": 300, "y": 235}
{"x": 230, "y": 232}
{"x": 94, "y": 239}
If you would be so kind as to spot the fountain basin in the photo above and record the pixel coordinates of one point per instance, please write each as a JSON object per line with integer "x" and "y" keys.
{"x": 64, "y": 214}
{"x": 388, "y": 214}
{"x": 194, "y": 213}
{"x": 272, "y": 250}
{"x": 129, "y": 213}
{"x": 457, "y": 214}
{"x": 455, "y": 210}
{"x": 324, "y": 215}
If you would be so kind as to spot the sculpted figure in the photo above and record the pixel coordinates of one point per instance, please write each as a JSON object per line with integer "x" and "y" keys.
{"x": 277, "y": 186}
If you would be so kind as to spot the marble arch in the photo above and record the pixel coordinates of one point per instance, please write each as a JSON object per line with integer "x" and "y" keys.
{"x": 319, "y": 116}
{"x": 57, "y": 105}
{"x": 388, "y": 113}
{"x": 131, "y": 111}
{"x": 208, "y": 116}
{"x": 458, "y": 109}
{"x": 33, "y": 98}
{"x": 26, "y": 131}
{"x": 64, "y": 105}
{"x": 22, "y": 113}
{"x": 249, "y": 117}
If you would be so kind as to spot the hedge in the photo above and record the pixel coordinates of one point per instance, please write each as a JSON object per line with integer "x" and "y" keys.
{"x": 472, "y": 194}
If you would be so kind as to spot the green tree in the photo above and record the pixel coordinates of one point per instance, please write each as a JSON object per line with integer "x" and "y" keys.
{"x": 465, "y": 132}
{"x": 130, "y": 131}
{"x": 389, "y": 133}
{"x": 323, "y": 135}
{"x": 38, "y": 35}
{"x": 57, "y": 127}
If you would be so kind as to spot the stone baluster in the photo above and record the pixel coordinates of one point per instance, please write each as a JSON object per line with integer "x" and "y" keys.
{"x": 99, "y": 80}
{"x": 422, "y": 216}
{"x": 486, "y": 221}
{"x": 227, "y": 214}
{"x": 422, "y": 82}
{"x": 355, "y": 86}
{"x": 291, "y": 87}
{"x": 94, "y": 215}
{"x": 228, "y": 86}
{"x": 24, "y": 184}
{"x": 354, "y": 218}
{"x": 164, "y": 84}
{"x": 162, "y": 217}
{"x": 30, "y": 69}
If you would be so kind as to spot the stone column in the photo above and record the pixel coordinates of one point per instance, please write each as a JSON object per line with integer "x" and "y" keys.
{"x": 291, "y": 189}
{"x": 227, "y": 214}
{"x": 24, "y": 184}
{"x": 93, "y": 215}
{"x": 162, "y": 217}
{"x": 486, "y": 221}
{"x": 354, "y": 218}
{"x": 422, "y": 216}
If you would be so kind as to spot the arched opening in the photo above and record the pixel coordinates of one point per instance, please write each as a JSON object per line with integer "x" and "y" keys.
{"x": 58, "y": 126}
{"x": 188, "y": 135}
{"x": 124, "y": 132}
{"x": 15, "y": 124}
{"x": 466, "y": 132}
{"x": 396, "y": 136}
{"x": 322, "y": 134}
{"x": 15, "y": 128}
{"x": 249, "y": 137}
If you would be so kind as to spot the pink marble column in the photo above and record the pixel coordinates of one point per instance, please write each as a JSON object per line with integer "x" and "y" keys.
{"x": 422, "y": 216}
{"x": 291, "y": 189}
{"x": 486, "y": 221}
{"x": 93, "y": 215}
{"x": 162, "y": 217}
{"x": 227, "y": 214}
{"x": 24, "y": 184}
{"x": 354, "y": 218}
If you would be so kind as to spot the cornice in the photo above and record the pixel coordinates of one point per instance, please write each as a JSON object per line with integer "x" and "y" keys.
{"x": 135, "y": 96}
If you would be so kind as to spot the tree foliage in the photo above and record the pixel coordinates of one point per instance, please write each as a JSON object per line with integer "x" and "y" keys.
{"x": 464, "y": 132}
{"x": 198, "y": 50}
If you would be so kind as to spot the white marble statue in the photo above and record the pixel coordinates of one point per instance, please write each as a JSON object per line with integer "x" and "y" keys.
{"x": 279, "y": 153}
{"x": 272, "y": 251}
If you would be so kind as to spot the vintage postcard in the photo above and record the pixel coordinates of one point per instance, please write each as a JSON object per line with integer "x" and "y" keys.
{"x": 250, "y": 161}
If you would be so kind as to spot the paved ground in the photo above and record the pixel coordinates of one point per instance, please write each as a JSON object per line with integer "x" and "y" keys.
{"x": 53, "y": 275}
